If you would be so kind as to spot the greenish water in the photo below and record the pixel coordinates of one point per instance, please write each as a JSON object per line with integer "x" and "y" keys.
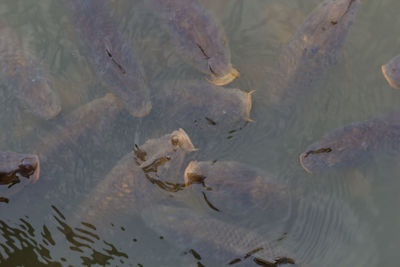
{"x": 346, "y": 218}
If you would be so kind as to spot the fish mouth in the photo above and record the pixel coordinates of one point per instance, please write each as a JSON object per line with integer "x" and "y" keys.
{"x": 225, "y": 79}
{"x": 35, "y": 175}
{"x": 46, "y": 105}
{"x": 303, "y": 165}
{"x": 143, "y": 111}
{"x": 189, "y": 145}
{"x": 248, "y": 106}
{"x": 53, "y": 112}
{"x": 186, "y": 177}
{"x": 190, "y": 175}
{"x": 390, "y": 81}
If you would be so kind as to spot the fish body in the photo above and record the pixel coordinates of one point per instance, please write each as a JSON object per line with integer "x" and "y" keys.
{"x": 226, "y": 243}
{"x": 315, "y": 48}
{"x": 110, "y": 55}
{"x": 391, "y": 71}
{"x": 199, "y": 38}
{"x": 138, "y": 179}
{"x": 200, "y": 102}
{"x": 88, "y": 120}
{"x": 25, "y": 76}
{"x": 353, "y": 144}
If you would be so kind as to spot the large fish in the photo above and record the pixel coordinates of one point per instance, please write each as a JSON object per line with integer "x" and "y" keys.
{"x": 202, "y": 103}
{"x": 24, "y": 75}
{"x": 109, "y": 53}
{"x": 391, "y": 71}
{"x": 139, "y": 179}
{"x": 308, "y": 57}
{"x": 353, "y": 144}
{"x": 199, "y": 38}
{"x": 249, "y": 197}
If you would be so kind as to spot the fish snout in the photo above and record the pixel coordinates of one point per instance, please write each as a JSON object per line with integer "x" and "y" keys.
{"x": 192, "y": 175}
{"x": 30, "y": 167}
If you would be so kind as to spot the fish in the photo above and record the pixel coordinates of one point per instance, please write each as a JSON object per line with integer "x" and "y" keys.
{"x": 199, "y": 38}
{"x": 391, "y": 72}
{"x": 110, "y": 54}
{"x": 306, "y": 60}
{"x": 90, "y": 120}
{"x": 139, "y": 179}
{"x": 203, "y": 104}
{"x": 223, "y": 242}
{"x": 353, "y": 144}
{"x": 16, "y": 171}
{"x": 235, "y": 188}
{"x": 253, "y": 201}
{"x": 25, "y": 76}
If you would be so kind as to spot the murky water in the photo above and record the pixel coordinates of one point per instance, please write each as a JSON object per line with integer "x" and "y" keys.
{"x": 342, "y": 218}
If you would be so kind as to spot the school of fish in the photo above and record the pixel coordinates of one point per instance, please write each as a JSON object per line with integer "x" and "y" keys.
{"x": 155, "y": 171}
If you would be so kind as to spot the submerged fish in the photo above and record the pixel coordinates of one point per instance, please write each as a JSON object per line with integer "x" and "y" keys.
{"x": 200, "y": 40}
{"x": 234, "y": 188}
{"x": 24, "y": 75}
{"x": 225, "y": 243}
{"x": 391, "y": 71}
{"x": 275, "y": 216}
{"x": 139, "y": 178}
{"x": 111, "y": 56}
{"x": 353, "y": 144}
{"x": 200, "y": 102}
{"x": 314, "y": 50}
{"x": 17, "y": 168}
{"x": 88, "y": 120}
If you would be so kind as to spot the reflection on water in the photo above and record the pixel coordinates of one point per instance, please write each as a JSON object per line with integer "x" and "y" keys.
{"x": 340, "y": 218}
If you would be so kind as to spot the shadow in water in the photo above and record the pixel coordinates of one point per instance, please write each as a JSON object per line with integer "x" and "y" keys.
{"x": 23, "y": 245}
{"x": 19, "y": 245}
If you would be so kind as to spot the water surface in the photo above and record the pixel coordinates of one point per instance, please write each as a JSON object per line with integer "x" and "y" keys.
{"x": 346, "y": 218}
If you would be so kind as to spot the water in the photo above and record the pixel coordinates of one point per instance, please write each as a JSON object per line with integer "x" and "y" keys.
{"x": 345, "y": 218}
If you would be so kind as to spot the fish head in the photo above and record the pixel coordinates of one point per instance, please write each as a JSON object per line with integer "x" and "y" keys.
{"x": 29, "y": 167}
{"x": 33, "y": 87}
{"x": 13, "y": 166}
{"x": 216, "y": 53}
{"x": 41, "y": 99}
{"x": 391, "y": 71}
{"x": 193, "y": 174}
{"x": 342, "y": 148}
{"x": 221, "y": 74}
{"x": 122, "y": 71}
{"x": 162, "y": 158}
{"x": 180, "y": 139}
{"x": 228, "y": 106}
{"x": 326, "y": 28}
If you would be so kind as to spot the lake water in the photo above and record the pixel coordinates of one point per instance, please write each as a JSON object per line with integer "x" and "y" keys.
{"x": 344, "y": 218}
